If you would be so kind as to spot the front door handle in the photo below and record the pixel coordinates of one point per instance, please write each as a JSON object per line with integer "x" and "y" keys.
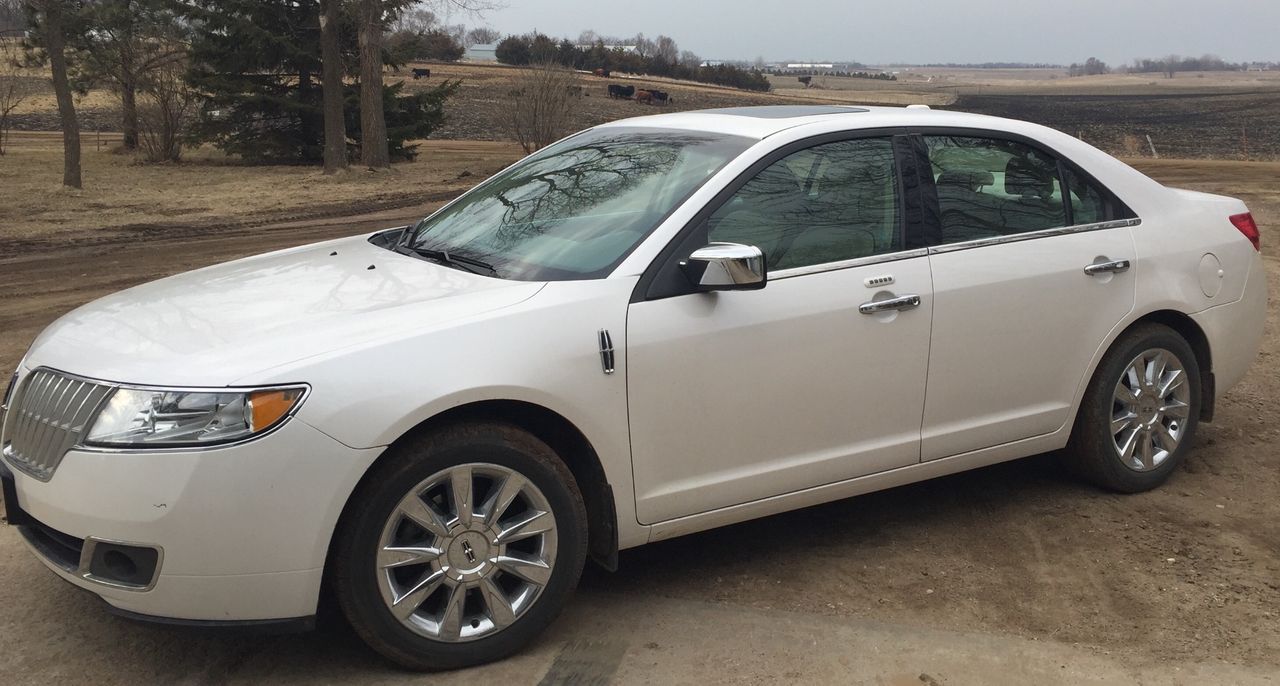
{"x": 906, "y": 302}
{"x": 1113, "y": 267}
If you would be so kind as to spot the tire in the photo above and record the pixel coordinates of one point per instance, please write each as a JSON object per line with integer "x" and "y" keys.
{"x": 1152, "y": 420}
{"x": 460, "y": 589}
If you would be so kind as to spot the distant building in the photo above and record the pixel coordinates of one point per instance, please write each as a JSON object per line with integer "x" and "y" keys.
{"x": 482, "y": 52}
{"x": 811, "y": 65}
{"x": 624, "y": 48}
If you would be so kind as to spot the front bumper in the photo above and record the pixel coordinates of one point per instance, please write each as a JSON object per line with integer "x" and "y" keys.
{"x": 242, "y": 532}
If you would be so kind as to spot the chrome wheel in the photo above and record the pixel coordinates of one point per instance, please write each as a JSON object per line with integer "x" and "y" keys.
{"x": 466, "y": 552}
{"x": 1150, "y": 409}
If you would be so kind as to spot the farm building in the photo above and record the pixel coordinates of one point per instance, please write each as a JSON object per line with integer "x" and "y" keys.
{"x": 482, "y": 52}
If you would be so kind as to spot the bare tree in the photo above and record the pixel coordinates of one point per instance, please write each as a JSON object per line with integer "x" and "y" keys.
{"x": 127, "y": 40}
{"x": 335, "y": 127}
{"x": 666, "y": 49}
{"x": 690, "y": 59}
{"x": 168, "y": 103}
{"x": 53, "y": 15}
{"x": 645, "y": 47}
{"x": 541, "y": 108}
{"x": 483, "y": 35}
{"x": 13, "y": 86}
{"x": 416, "y": 20}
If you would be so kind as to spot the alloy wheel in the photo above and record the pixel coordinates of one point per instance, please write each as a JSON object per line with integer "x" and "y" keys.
{"x": 1150, "y": 409}
{"x": 466, "y": 552}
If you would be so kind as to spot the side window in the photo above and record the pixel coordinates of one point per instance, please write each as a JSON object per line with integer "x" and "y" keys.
{"x": 1088, "y": 204}
{"x": 831, "y": 202}
{"x": 989, "y": 187}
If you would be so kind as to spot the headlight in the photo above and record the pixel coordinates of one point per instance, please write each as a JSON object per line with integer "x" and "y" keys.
{"x": 158, "y": 418}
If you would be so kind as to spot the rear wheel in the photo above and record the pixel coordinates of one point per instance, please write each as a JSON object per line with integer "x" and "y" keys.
{"x": 1140, "y": 412}
{"x": 461, "y": 547}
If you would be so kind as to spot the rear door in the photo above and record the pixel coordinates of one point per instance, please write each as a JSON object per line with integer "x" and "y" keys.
{"x": 1028, "y": 280}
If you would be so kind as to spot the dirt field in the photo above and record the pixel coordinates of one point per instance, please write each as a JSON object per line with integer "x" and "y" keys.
{"x": 1013, "y": 574}
{"x": 1233, "y": 115}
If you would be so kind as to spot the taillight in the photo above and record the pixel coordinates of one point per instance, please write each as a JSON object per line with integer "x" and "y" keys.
{"x": 1249, "y": 228}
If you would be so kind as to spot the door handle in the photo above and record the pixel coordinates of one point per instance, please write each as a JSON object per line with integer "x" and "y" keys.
{"x": 1113, "y": 267}
{"x": 906, "y": 302}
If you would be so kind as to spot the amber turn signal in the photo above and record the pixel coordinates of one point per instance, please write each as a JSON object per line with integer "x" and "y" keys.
{"x": 269, "y": 407}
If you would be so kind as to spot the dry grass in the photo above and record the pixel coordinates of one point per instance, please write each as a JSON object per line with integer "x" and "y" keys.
{"x": 208, "y": 187}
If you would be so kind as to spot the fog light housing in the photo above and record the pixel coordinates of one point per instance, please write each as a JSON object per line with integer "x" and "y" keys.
{"x": 118, "y": 564}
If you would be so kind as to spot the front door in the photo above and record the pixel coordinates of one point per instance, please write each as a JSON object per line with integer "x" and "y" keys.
{"x": 742, "y": 395}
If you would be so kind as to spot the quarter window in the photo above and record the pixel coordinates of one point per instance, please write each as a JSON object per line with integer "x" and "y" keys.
{"x": 832, "y": 202}
{"x": 990, "y": 187}
{"x": 1088, "y": 204}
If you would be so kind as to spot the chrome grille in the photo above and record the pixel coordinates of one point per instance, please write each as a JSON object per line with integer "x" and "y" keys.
{"x": 46, "y": 417}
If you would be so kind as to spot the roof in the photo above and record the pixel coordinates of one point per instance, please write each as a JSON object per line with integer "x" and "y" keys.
{"x": 764, "y": 121}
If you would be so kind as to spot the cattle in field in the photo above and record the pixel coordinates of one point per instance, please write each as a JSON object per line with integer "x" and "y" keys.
{"x": 617, "y": 91}
{"x": 602, "y": 72}
{"x": 421, "y": 74}
{"x": 644, "y": 97}
{"x": 661, "y": 97}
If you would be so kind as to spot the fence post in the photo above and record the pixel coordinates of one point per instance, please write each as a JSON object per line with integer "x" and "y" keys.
{"x": 1153, "y": 147}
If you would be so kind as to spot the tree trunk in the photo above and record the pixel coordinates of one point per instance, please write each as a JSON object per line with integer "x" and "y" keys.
{"x": 56, "y": 45}
{"x": 129, "y": 114}
{"x": 373, "y": 124}
{"x": 335, "y": 126}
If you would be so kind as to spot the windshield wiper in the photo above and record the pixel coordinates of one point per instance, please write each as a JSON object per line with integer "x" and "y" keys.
{"x": 468, "y": 264}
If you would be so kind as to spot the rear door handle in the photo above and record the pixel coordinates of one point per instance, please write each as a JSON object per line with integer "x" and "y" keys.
{"x": 905, "y": 302}
{"x": 1113, "y": 267}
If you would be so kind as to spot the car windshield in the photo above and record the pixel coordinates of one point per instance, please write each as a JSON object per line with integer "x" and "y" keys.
{"x": 576, "y": 209}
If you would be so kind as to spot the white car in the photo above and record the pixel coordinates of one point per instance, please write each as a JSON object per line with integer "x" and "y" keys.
{"x": 651, "y": 328}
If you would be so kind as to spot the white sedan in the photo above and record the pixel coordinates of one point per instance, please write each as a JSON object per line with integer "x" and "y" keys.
{"x": 651, "y": 328}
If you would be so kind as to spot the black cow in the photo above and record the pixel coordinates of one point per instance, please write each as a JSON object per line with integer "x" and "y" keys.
{"x": 421, "y": 74}
{"x": 661, "y": 97}
{"x": 616, "y": 91}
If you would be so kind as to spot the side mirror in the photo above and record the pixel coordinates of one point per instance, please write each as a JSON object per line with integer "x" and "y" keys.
{"x": 726, "y": 267}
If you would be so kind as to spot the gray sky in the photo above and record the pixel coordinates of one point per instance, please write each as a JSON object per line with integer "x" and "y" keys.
{"x": 919, "y": 31}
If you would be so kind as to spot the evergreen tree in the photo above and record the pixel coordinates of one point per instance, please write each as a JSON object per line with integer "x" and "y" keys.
{"x": 258, "y": 63}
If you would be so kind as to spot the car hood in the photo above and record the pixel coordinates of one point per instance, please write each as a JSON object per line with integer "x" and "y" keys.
{"x": 222, "y": 324}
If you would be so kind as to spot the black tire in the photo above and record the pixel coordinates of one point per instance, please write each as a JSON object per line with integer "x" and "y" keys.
{"x": 354, "y": 574}
{"x": 1092, "y": 451}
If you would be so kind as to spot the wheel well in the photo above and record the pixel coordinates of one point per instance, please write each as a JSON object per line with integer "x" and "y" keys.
{"x": 1194, "y": 336}
{"x": 567, "y": 441}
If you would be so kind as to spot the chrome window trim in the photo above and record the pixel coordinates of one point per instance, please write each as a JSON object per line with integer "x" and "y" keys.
{"x": 1032, "y": 235}
{"x": 950, "y": 247}
{"x": 848, "y": 264}
{"x": 113, "y": 386}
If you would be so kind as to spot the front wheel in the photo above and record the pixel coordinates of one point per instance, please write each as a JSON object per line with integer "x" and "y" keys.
{"x": 460, "y": 547}
{"x": 1139, "y": 414}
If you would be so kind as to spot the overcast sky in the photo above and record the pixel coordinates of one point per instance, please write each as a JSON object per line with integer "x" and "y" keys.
{"x": 919, "y": 31}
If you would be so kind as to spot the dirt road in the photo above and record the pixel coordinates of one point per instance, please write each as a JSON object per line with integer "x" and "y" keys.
{"x": 1011, "y": 574}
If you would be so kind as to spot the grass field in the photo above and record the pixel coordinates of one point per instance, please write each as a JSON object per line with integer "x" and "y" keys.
{"x": 121, "y": 195}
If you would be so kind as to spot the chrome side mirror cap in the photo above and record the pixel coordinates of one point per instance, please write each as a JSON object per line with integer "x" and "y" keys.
{"x": 726, "y": 267}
